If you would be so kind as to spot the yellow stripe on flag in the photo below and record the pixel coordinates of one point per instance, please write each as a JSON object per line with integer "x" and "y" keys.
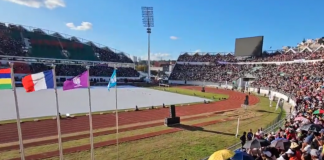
{"x": 5, "y": 81}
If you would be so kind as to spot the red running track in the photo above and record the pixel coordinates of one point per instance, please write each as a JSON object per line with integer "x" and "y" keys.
{"x": 46, "y": 128}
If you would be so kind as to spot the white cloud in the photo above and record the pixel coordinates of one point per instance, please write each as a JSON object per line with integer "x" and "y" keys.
{"x": 174, "y": 37}
{"x": 157, "y": 56}
{"x": 50, "y": 4}
{"x": 83, "y": 27}
{"x": 198, "y": 50}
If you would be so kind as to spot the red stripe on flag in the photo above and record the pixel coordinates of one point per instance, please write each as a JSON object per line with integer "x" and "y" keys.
{"x": 7, "y": 70}
{"x": 28, "y": 83}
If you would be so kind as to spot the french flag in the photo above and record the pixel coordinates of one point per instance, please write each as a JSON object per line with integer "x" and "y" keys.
{"x": 38, "y": 81}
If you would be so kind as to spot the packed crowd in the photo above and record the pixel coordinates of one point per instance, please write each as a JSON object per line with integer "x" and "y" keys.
{"x": 298, "y": 79}
{"x": 110, "y": 56}
{"x": 209, "y": 73}
{"x": 206, "y": 58}
{"x": 301, "y": 138}
{"x": 9, "y": 46}
{"x": 73, "y": 70}
{"x": 275, "y": 57}
{"x": 13, "y": 47}
{"x": 289, "y": 56}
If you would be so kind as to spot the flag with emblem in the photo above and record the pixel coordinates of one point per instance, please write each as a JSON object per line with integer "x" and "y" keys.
{"x": 79, "y": 81}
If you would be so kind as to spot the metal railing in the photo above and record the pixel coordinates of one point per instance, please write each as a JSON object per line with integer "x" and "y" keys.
{"x": 271, "y": 128}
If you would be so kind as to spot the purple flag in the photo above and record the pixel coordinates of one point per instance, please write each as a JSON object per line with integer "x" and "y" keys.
{"x": 80, "y": 81}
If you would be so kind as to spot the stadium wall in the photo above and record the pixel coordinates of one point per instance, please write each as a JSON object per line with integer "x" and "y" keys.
{"x": 251, "y": 89}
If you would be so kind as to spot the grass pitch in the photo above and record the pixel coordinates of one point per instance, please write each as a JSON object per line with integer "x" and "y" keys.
{"x": 191, "y": 92}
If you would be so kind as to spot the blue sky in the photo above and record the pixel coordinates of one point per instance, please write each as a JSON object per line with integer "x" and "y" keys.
{"x": 208, "y": 25}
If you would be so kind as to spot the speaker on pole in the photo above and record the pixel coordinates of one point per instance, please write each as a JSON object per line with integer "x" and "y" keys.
{"x": 172, "y": 111}
{"x": 173, "y": 119}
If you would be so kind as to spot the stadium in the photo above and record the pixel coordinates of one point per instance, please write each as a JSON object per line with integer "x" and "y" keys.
{"x": 205, "y": 105}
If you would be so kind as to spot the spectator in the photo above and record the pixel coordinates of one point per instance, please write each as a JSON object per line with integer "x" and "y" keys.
{"x": 243, "y": 139}
{"x": 249, "y": 135}
{"x": 314, "y": 154}
{"x": 73, "y": 70}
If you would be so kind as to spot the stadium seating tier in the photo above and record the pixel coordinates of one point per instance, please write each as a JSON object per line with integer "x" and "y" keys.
{"x": 17, "y": 41}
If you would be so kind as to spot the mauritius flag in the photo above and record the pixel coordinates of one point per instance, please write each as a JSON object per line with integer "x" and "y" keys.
{"x": 5, "y": 79}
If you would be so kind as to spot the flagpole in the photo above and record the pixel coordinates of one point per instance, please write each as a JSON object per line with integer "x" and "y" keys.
{"x": 90, "y": 116}
{"x": 237, "y": 128}
{"x": 270, "y": 100}
{"x": 13, "y": 83}
{"x": 117, "y": 129}
{"x": 58, "y": 118}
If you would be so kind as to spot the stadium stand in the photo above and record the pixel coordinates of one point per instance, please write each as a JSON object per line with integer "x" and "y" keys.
{"x": 301, "y": 80}
{"x": 289, "y": 55}
{"x": 209, "y": 73}
{"x": 20, "y": 42}
{"x": 8, "y": 45}
{"x": 34, "y": 42}
{"x": 72, "y": 70}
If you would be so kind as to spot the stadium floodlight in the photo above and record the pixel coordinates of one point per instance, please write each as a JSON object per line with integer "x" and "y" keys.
{"x": 148, "y": 22}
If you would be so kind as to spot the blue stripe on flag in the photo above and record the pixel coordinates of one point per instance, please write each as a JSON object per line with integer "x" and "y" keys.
{"x": 112, "y": 80}
{"x": 5, "y": 75}
{"x": 49, "y": 78}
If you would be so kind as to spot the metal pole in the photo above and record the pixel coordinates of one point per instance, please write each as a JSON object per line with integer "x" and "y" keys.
{"x": 149, "y": 56}
{"x": 270, "y": 100}
{"x": 58, "y": 120}
{"x": 13, "y": 83}
{"x": 148, "y": 22}
{"x": 237, "y": 128}
{"x": 117, "y": 124}
{"x": 90, "y": 116}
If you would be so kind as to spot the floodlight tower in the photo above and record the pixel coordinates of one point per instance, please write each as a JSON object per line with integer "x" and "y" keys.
{"x": 148, "y": 22}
